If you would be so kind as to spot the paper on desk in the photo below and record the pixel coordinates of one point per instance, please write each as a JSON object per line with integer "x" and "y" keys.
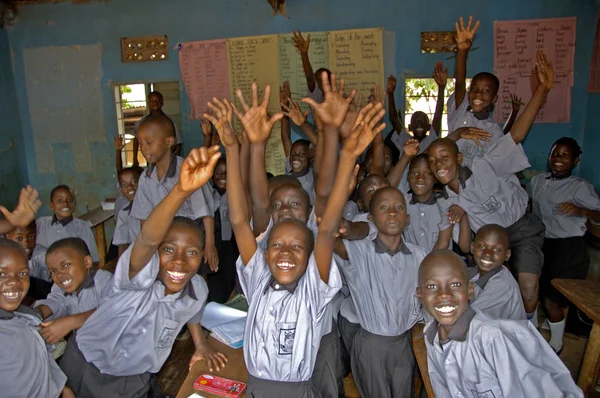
{"x": 218, "y": 314}
{"x": 231, "y": 332}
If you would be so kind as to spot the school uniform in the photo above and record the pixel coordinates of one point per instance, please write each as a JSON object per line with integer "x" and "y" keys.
{"x": 307, "y": 180}
{"x": 131, "y": 333}
{"x": 50, "y": 230}
{"x": 497, "y": 294}
{"x": 37, "y": 264}
{"x": 565, "y": 252}
{"x": 151, "y": 191}
{"x": 26, "y": 368}
{"x": 96, "y": 285}
{"x": 400, "y": 138}
{"x": 425, "y": 220}
{"x": 490, "y": 193}
{"x": 278, "y": 363}
{"x": 483, "y": 357}
{"x": 178, "y": 139}
{"x": 465, "y": 117}
{"x": 350, "y": 210}
{"x": 121, "y": 202}
{"x": 127, "y": 228}
{"x": 383, "y": 288}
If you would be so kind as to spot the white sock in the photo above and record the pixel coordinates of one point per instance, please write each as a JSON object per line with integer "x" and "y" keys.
{"x": 532, "y": 317}
{"x": 557, "y": 330}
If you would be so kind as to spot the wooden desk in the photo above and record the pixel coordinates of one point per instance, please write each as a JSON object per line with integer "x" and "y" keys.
{"x": 235, "y": 369}
{"x": 586, "y": 296}
{"x": 98, "y": 217}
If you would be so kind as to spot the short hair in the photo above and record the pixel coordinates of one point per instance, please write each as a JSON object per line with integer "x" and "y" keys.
{"x": 394, "y": 151}
{"x": 156, "y": 93}
{"x": 445, "y": 141}
{"x": 7, "y": 244}
{"x": 495, "y": 228}
{"x": 381, "y": 192}
{"x": 76, "y": 244}
{"x": 300, "y": 189}
{"x": 488, "y": 75}
{"x": 163, "y": 122}
{"x": 311, "y": 235}
{"x": 433, "y": 259}
{"x": 282, "y": 179}
{"x": 416, "y": 159}
{"x": 418, "y": 113}
{"x": 58, "y": 188}
{"x": 367, "y": 180}
{"x": 136, "y": 170}
{"x": 270, "y": 176}
{"x": 189, "y": 223}
{"x": 32, "y": 225}
{"x": 571, "y": 143}
{"x": 302, "y": 142}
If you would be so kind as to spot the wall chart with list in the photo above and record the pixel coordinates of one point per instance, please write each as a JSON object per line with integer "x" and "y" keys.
{"x": 516, "y": 44}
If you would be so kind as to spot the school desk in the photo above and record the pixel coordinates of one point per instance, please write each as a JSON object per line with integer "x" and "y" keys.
{"x": 235, "y": 369}
{"x": 585, "y": 295}
{"x": 98, "y": 217}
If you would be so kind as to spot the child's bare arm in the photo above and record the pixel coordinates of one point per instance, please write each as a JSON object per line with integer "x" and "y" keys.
{"x": 444, "y": 238}
{"x": 464, "y": 235}
{"x": 211, "y": 257}
{"x": 196, "y": 170}
{"x": 44, "y": 311}
{"x": 350, "y": 230}
{"x": 286, "y": 130}
{"x": 470, "y": 133}
{"x": 464, "y": 40}
{"x": 515, "y": 103}
{"x": 411, "y": 149}
{"x": 394, "y": 119}
{"x": 303, "y": 45}
{"x": 245, "y": 168}
{"x": 53, "y": 331}
{"x": 203, "y": 351}
{"x": 545, "y": 76}
{"x": 24, "y": 213}
{"x": 440, "y": 74}
{"x": 207, "y": 131}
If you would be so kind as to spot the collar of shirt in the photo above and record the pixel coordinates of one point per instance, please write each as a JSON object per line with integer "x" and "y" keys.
{"x": 459, "y": 330}
{"x": 128, "y": 207}
{"x": 551, "y": 176}
{"x": 290, "y": 287}
{"x": 431, "y": 201}
{"x": 64, "y": 222}
{"x": 463, "y": 175}
{"x": 188, "y": 290}
{"x": 300, "y": 173}
{"x": 380, "y": 247}
{"x": 6, "y": 315}
{"x": 87, "y": 283}
{"x": 482, "y": 281}
{"x": 484, "y": 115}
{"x": 170, "y": 171}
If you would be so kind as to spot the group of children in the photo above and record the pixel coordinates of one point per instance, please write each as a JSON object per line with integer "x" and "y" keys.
{"x": 338, "y": 259}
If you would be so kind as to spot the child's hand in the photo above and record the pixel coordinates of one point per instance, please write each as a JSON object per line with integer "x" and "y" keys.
{"x": 375, "y": 96}
{"x": 211, "y": 257}
{"x": 223, "y": 121}
{"x": 25, "y": 211}
{"x": 294, "y": 112}
{"x": 285, "y": 93}
{"x": 353, "y": 180}
{"x": 53, "y": 331}
{"x": 206, "y": 125}
{"x": 474, "y": 134}
{"x": 366, "y": 127}
{"x": 332, "y": 111}
{"x": 214, "y": 359}
{"x": 197, "y": 168}
{"x": 572, "y": 210}
{"x": 391, "y": 84}
{"x": 119, "y": 143}
{"x": 440, "y": 74}
{"x": 67, "y": 393}
{"x": 515, "y": 102}
{"x": 455, "y": 213}
{"x": 300, "y": 43}
{"x": 465, "y": 36}
{"x": 256, "y": 122}
{"x": 411, "y": 148}
{"x": 351, "y": 116}
{"x": 544, "y": 72}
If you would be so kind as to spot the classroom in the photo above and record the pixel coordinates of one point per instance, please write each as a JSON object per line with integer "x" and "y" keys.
{"x": 439, "y": 159}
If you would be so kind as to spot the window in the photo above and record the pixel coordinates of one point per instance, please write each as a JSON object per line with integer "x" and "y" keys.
{"x": 131, "y": 104}
{"x": 421, "y": 95}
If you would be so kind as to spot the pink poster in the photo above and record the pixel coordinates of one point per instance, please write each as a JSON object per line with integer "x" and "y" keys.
{"x": 205, "y": 72}
{"x": 515, "y": 46}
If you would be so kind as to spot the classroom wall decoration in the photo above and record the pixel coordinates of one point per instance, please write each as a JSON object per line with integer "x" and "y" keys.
{"x": 515, "y": 46}
{"x": 594, "y": 82}
{"x": 219, "y": 67}
{"x": 144, "y": 48}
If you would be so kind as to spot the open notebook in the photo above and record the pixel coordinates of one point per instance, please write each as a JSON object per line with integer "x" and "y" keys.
{"x": 226, "y": 324}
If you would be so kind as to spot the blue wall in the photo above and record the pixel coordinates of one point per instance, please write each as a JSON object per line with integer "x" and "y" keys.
{"x": 13, "y": 167}
{"x": 67, "y": 24}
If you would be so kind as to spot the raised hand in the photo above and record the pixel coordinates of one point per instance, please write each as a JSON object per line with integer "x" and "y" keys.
{"x": 26, "y": 208}
{"x": 544, "y": 71}
{"x": 411, "y": 148}
{"x": 391, "y": 84}
{"x": 294, "y": 112}
{"x": 440, "y": 74}
{"x": 300, "y": 43}
{"x": 474, "y": 134}
{"x": 348, "y": 125}
{"x": 515, "y": 102}
{"x": 332, "y": 111}
{"x": 465, "y": 36}
{"x": 284, "y": 92}
{"x": 256, "y": 121}
{"x": 376, "y": 95}
{"x": 222, "y": 120}
{"x": 119, "y": 143}
{"x": 197, "y": 168}
{"x": 206, "y": 125}
{"x": 366, "y": 127}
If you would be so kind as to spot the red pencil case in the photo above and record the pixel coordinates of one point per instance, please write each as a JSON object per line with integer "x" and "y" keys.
{"x": 220, "y": 386}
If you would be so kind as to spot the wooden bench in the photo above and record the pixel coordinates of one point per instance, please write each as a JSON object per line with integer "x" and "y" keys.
{"x": 98, "y": 217}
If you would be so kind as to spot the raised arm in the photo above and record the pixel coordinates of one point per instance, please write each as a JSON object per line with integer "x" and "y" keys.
{"x": 303, "y": 45}
{"x": 411, "y": 149}
{"x": 545, "y": 76}
{"x": 515, "y": 103}
{"x": 207, "y": 131}
{"x": 378, "y": 148}
{"x": 464, "y": 234}
{"x": 464, "y": 40}
{"x": 196, "y": 170}
{"x": 286, "y": 130}
{"x": 24, "y": 212}
{"x": 119, "y": 144}
{"x": 440, "y": 75}
{"x": 397, "y": 124}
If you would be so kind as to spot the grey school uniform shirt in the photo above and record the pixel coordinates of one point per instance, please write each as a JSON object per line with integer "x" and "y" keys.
{"x": 490, "y": 358}
{"x": 425, "y": 221}
{"x": 49, "y": 230}
{"x": 285, "y": 323}
{"x": 151, "y": 191}
{"x": 127, "y": 227}
{"x": 497, "y": 294}
{"x": 95, "y": 286}
{"x": 400, "y": 138}
{"x": 26, "y": 368}
{"x": 383, "y": 285}
{"x": 489, "y": 192}
{"x": 37, "y": 264}
{"x": 134, "y": 328}
{"x": 464, "y": 117}
{"x": 306, "y": 178}
{"x": 548, "y": 192}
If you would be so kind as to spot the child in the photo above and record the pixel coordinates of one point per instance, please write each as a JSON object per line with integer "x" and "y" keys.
{"x": 155, "y": 291}
{"x": 63, "y": 224}
{"x": 76, "y": 292}
{"x": 127, "y": 228}
{"x": 26, "y": 368}
{"x": 496, "y": 291}
{"x": 156, "y": 136}
{"x": 490, "y": 193}
{"x": 563, "y": 203}
{"x": 314, "y": 80}
{"x": 471, "y": 355}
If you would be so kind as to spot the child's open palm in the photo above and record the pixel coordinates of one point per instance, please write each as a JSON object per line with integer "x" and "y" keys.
{"x": 366, "y": 127}
{"x": 256, "y": 121}
{"x": 294, "y": 112}
{"x": 411, "y": 148}
{"x": 391, "y": 84}
{"x": 440, "y": 74}
{"x": 197, "y": 168}
{"x": 478, "y": 136}
{"x": 515, "y": 102}
{"x": 222, "y": 120}
{"x": 285, "y": 93}
{"x": 544, "y": 71}
{"x": 465, "y": 36}
{"x": 332, "y": 111}
{"x": 351, "y": 115}
{"x": 26, "y": 208}
{"x": 300, "y": 43}
{"x": 206, "y": 124}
